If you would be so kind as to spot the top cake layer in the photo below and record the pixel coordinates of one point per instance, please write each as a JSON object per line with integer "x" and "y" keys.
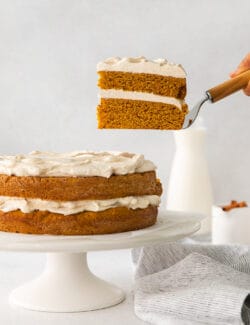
{"x": 142, "y": 65}
{"x": 158, "y": 77}
{"x": 77, "y": 163}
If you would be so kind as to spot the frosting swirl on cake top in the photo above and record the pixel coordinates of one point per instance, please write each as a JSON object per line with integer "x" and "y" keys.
{"x": 142, "y": 65}
{"x": 76, "y": 163}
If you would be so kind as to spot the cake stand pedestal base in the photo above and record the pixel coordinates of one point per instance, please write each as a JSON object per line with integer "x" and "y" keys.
{"x": 66, "y": 285}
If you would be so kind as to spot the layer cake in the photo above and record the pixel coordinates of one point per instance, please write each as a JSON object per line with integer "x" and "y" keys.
{"x": 77, "y": 193}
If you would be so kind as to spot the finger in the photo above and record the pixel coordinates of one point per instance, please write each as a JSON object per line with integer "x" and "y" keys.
{"x": 247, "y": 89}
{"x": 243, "y": 66}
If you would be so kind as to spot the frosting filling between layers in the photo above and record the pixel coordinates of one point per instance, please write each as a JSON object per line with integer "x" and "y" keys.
{"x": 142, "y": 96}
{"x": 142, "y": 65}
{"x": 8, "y": 204}
{"x": 76, "y": 163}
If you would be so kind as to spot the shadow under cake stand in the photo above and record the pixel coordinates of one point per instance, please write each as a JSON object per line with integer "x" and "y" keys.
{"x": 67, "y": 284}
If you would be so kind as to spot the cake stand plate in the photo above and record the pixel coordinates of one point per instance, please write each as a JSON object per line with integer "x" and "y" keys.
{"x": 67, "y": 284}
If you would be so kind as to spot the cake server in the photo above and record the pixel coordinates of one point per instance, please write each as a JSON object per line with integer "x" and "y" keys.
{"x": 217, "y": 93}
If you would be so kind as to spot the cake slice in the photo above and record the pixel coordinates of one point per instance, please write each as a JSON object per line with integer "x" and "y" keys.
{"x": 136, "y": 93}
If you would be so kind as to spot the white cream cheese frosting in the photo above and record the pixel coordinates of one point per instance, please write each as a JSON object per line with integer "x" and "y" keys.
{"x": 142, "y": 65}
{"x": 71, "y": 207}
{"x": 76, "y": 163}
{"x": 136, "y": 95}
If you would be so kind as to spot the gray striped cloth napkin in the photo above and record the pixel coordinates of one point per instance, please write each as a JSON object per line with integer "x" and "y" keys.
{"x": 192, "y": 283}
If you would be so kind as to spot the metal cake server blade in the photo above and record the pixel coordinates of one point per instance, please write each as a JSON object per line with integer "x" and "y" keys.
{"x": 216, "y": 93}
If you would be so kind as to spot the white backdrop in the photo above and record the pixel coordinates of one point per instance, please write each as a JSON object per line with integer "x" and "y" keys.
{"x": 48, "y": 94}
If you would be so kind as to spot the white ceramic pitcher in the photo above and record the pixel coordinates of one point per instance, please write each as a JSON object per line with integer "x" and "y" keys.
{"x": 189, "y": 187}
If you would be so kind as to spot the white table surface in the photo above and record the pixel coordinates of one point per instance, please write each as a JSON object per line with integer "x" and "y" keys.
{"x": 114, "y": 266}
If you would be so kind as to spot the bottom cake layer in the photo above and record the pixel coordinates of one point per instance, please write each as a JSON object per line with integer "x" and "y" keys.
{"x": 135, "y": 114}
{"x": 113, "y": 220}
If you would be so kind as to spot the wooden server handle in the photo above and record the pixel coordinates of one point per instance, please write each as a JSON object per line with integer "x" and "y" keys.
{"x": 229, "y": 87}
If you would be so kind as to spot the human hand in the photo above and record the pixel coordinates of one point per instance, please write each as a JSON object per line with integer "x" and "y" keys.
{"x": 243, "y": 66}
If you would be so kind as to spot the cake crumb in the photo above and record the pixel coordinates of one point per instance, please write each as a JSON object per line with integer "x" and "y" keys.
{"x": 234, "y": 204}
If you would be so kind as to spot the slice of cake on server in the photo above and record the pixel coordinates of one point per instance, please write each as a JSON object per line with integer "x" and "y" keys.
{"x": 136, "y": 93}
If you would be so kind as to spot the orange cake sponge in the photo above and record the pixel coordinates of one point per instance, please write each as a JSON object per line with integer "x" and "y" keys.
{"x": 136, "y": 93}
{"x": 77, "y": 193}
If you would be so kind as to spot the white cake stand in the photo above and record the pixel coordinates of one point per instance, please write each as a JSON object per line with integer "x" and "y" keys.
{"x": 67, "y": 284}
